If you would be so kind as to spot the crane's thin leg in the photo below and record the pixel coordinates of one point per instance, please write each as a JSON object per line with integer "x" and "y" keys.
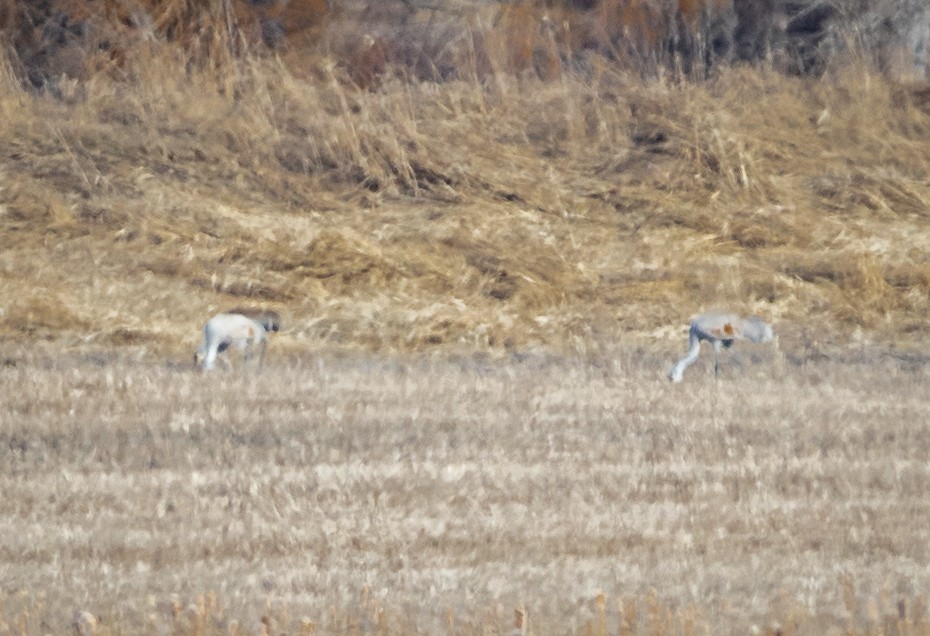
{"x": 261, "y": 353}
{"x": 717, "y": 345}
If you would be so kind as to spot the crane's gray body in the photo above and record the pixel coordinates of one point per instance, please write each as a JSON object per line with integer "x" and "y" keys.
{"x": 720, "y": 329}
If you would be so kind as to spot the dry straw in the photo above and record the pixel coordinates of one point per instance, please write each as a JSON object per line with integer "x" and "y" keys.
{"x": 509, "y": 204}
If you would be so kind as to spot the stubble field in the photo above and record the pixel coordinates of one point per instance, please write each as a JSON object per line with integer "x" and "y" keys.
{"x": 484, "y": 269}
{"x": 442, "y": 494}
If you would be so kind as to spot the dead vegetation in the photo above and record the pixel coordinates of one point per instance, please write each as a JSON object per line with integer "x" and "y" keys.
{"x": 494, "y": 209}
{"x": 505, "y": 185}
{"x": 462, "y": 213}
{"x": 421, "y": 495}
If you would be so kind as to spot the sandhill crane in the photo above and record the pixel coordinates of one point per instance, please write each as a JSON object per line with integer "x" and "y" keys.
{"x": 244, "y": 329}
{"x": 720, "y": 330}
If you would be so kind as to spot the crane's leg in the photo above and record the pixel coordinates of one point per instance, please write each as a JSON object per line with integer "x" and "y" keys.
{"x": 717, "y": 346}
{"x": 261, "y": 353}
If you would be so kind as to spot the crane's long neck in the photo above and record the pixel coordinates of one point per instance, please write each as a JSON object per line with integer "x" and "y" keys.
{"x": 694, "y": 350}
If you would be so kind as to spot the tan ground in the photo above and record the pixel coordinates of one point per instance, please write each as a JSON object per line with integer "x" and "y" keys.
{"x": 396, "y": 494}
{"x": 482, "y": 285}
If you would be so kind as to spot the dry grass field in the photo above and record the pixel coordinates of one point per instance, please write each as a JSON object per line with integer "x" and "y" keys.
{"x": 485, "y": 261}
{"x": 436, "y": 495}
{"x": 498, "y": 215}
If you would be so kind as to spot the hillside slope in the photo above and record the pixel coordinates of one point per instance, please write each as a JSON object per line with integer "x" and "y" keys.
{"x": 499, "y": 215}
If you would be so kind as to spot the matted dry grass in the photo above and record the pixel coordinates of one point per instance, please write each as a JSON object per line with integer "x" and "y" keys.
{"x": 501, "y": 215}
{"x": 401, "y": 495}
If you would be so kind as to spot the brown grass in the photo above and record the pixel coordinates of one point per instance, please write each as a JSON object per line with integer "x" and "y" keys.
{"x": 401, "y": 495}
{"x": 464, "y": 424}
{"x": 459, "y": 214}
